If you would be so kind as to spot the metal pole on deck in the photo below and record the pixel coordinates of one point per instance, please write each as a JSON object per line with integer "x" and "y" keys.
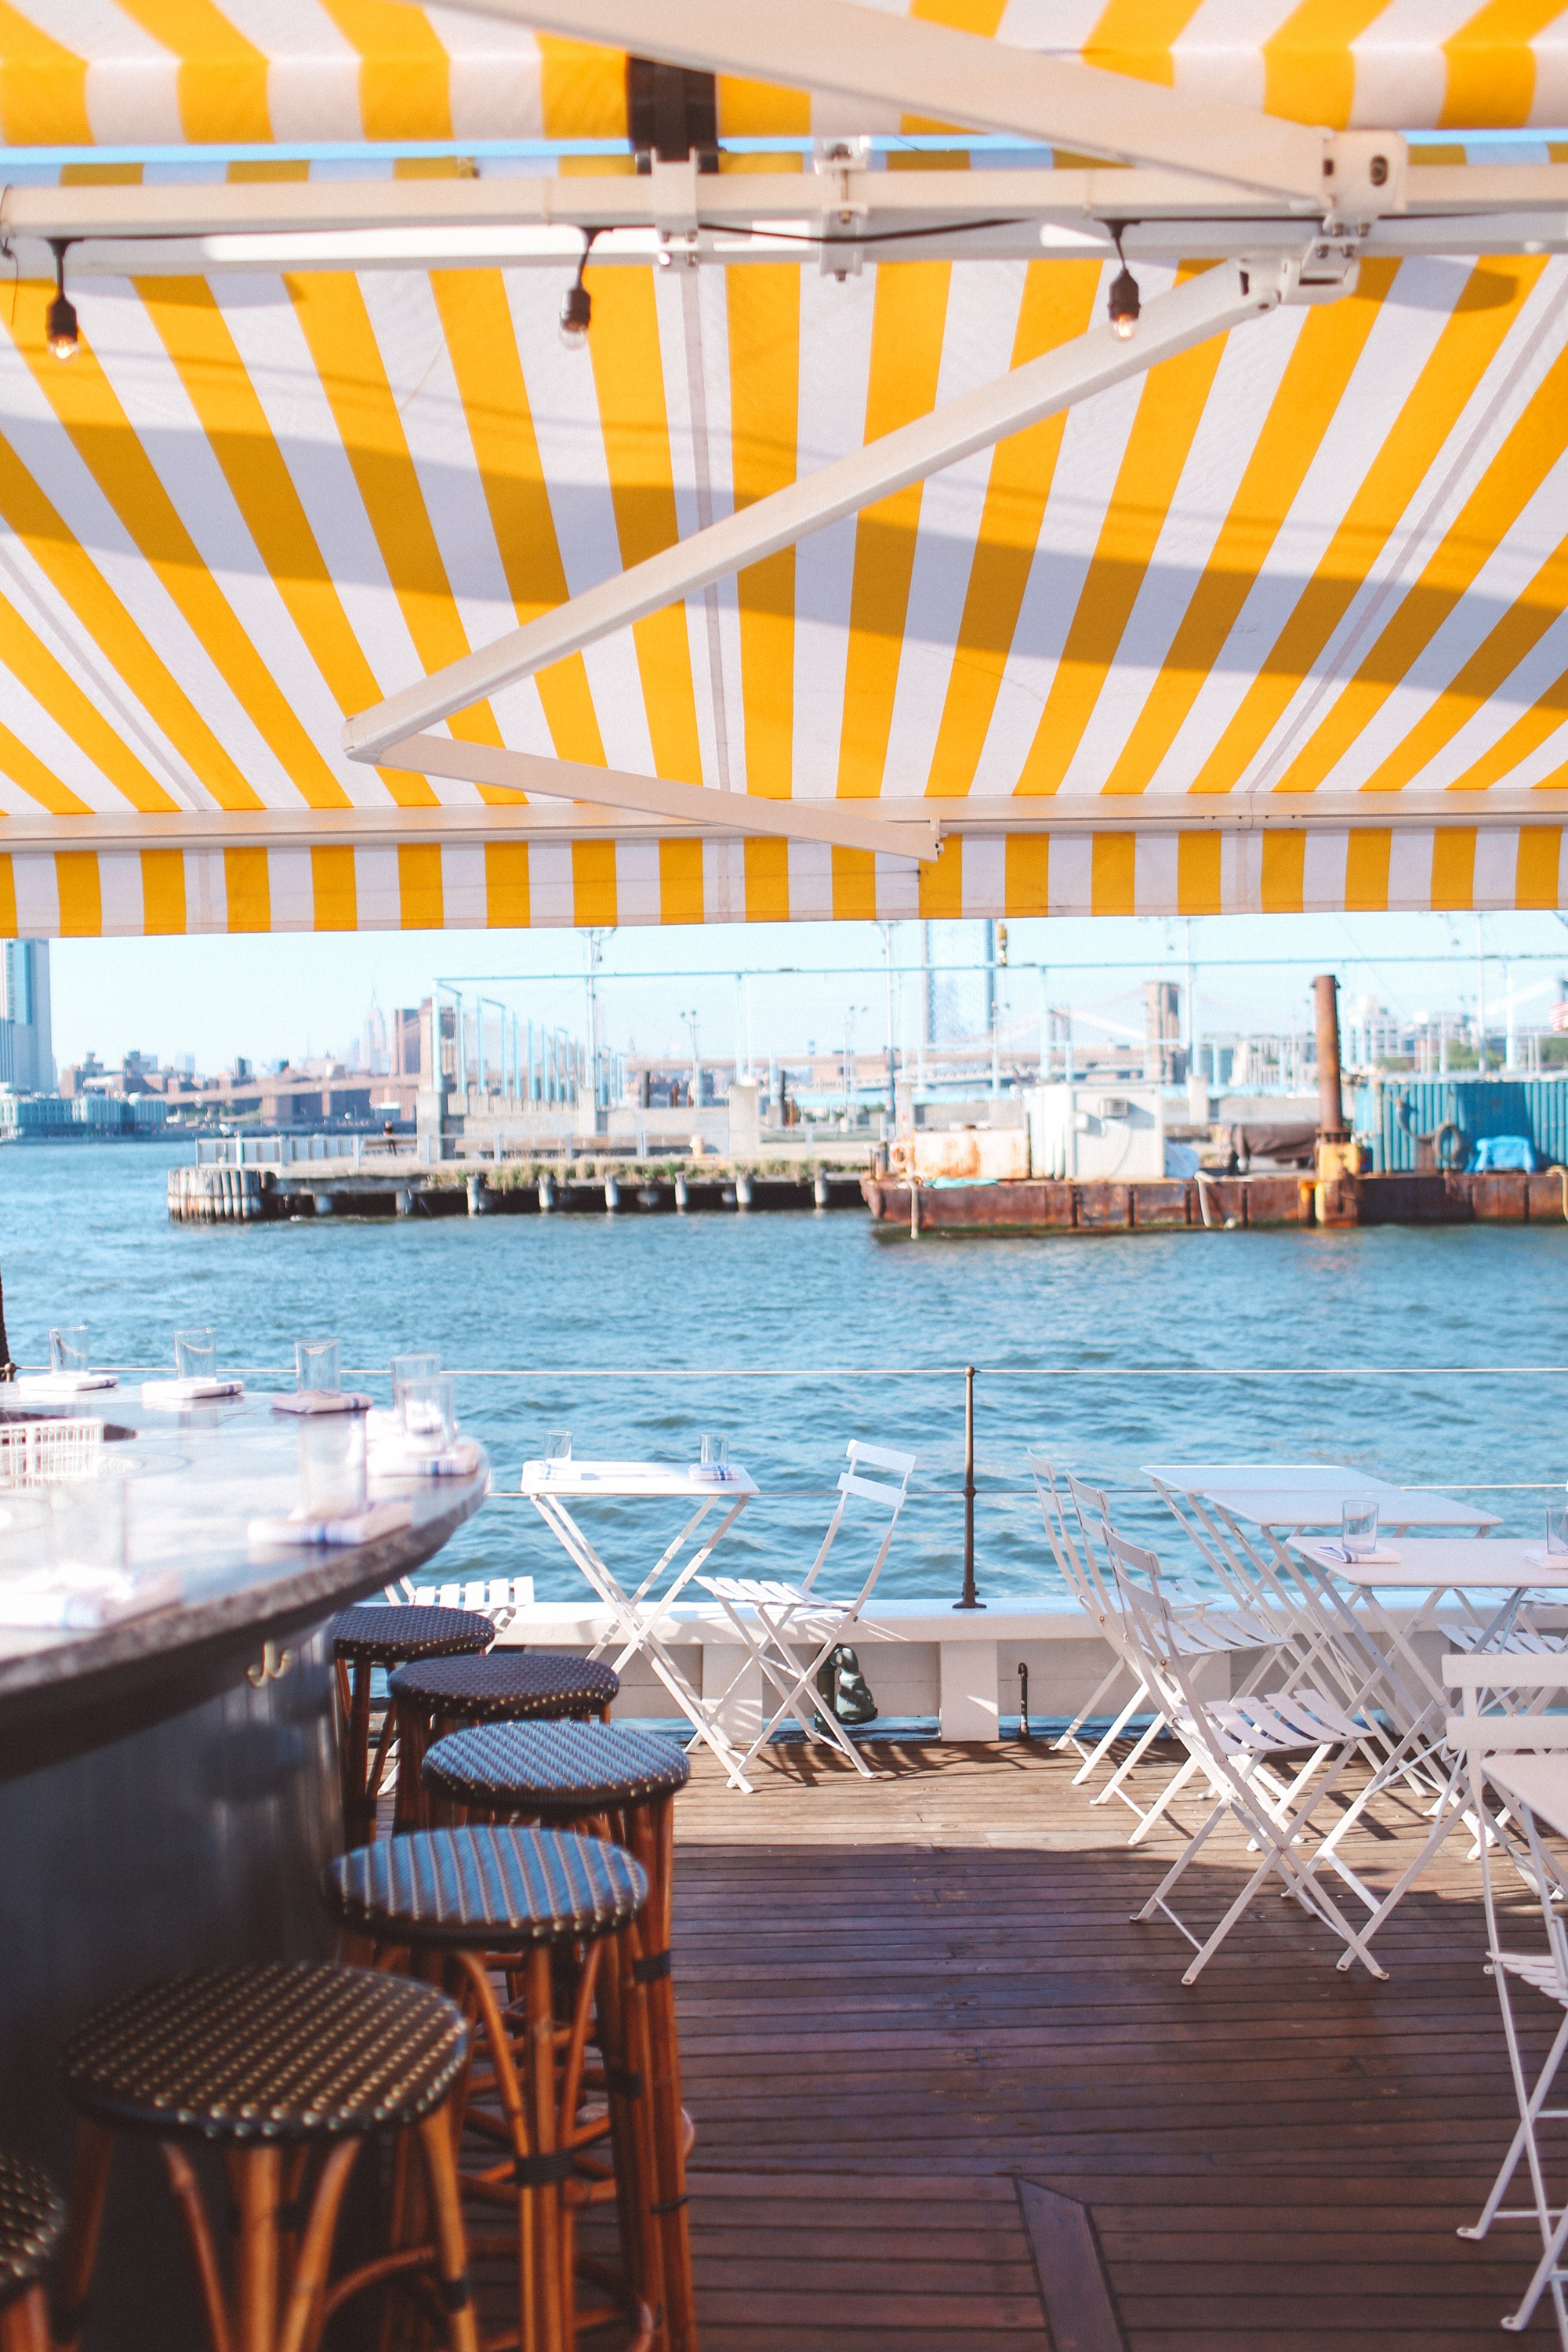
{"x": 970, "y": 1599}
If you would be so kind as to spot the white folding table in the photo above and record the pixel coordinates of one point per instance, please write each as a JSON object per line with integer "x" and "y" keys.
{"x": 1488, "y": 1580}
{"x": 1215, "y": 1502}
{"x": 559, "y": 1489}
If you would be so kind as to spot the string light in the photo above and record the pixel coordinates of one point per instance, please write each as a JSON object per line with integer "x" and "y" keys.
{"x": 1123, "y": 304}
{"x": 577, "y": 303}
{"x": 60, "y": 329}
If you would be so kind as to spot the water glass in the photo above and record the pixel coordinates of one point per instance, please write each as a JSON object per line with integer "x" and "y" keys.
{"x": 558, "y": 1445}
{"x": 68, "y": 1348}
{"x": 424, "y": 1365}
{"x": 319, "y": 1366}
{"x": 332, "y": 1465}
{"x": 1358, "y": 1527}
{"x": 1557, "y": 1532}
{"x": 196, "y": 1354}
{"x": 715, "y": 1452}
{"x": 429, "y": 1421}
{"x": 90, "y": 1523}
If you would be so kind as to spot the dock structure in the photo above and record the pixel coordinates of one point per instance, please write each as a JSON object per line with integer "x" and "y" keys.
{"x": 410, "y": 1188}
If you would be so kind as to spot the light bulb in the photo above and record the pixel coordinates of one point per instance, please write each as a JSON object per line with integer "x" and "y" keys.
{"x": 61, "y": 331}
{"x": 1123, "y": 304}
{"x": 576, "y": 316}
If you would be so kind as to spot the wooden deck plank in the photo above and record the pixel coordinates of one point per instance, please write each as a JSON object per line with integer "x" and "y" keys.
{"x": 898, "y": 1997}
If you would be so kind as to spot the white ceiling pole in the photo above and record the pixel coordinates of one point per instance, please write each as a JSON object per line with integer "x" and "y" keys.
{"x": 930, "y": 69}
{"x": 847, "y": 825}
{"x": 1207, "y": 305}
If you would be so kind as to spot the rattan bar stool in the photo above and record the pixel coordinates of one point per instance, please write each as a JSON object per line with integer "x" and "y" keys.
{"x": 285, "y": 2072}
{"x": 32, "y": 2218}
{"x": 437, "y": 1695}
{"x": 467, "y": 1903}
{"x": 622, "y": 1784}
{"x": 375, "y": 1635}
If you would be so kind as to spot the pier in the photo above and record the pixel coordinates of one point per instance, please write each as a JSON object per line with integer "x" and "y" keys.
{"x": 235, "y": 1193}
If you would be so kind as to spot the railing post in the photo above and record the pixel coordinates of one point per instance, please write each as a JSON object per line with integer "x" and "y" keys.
{"x": 970, "y": 1599}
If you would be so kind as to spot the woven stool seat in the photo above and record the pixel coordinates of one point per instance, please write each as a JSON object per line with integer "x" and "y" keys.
{"x": 31, "y": 2219}
{"x": 267, "y": 2053}
{"x": 506, "y": 1686}
{"x": 376, "y": 1635}
{"x": 504, "y": 1888}
{"x": 554, "y": 1767}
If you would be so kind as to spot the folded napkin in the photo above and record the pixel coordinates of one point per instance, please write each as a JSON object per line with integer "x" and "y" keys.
{"x": 172, "y": 1394}
{"x": 1381, "y": 1558}
{"x": 63, "y": 1384}
{"x": 321, "y": 1400}
{"x": 363, "y": 1526}
{"x": 77, "y": 1599}
{"x": 707, "y": 1473}
{"x": 1538, "y": 1557}
{"x": 459, "y": 1460}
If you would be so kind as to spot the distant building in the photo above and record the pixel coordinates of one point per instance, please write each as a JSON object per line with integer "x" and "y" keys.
{"x": 26, "y": 1044}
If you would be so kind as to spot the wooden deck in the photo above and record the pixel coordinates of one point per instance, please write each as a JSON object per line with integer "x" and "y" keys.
{"x": 903, "y": 2003}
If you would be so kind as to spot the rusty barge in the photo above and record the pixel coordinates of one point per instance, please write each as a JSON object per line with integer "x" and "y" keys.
{"x": 1021, "y": 1205}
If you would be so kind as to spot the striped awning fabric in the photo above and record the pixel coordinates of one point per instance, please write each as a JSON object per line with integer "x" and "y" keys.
{"x": 1326, "y": 554}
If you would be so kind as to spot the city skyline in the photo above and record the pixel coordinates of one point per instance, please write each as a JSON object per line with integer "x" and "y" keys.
{"x": 272, "y": 998}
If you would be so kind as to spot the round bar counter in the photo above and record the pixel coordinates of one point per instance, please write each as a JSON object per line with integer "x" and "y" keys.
{"x": 168, "y": 1783}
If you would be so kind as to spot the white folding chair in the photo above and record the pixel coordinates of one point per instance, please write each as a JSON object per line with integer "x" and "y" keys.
{"x": 772, "y": 1619}
{"x": 1243, "y": 1747}
{"x": 1201, "y": 1630}
{"x": 1522, "y": 1751}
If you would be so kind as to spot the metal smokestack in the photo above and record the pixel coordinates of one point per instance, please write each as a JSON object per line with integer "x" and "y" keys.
{"x": 1332, "y": 1127}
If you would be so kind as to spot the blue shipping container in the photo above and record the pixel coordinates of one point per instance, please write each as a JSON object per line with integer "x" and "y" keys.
{"x": 1390, "y": 1113}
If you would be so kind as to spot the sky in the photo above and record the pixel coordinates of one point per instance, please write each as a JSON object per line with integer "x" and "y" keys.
{"x": 268, "y": 996}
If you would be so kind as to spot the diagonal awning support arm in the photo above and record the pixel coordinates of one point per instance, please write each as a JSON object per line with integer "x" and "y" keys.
{"x": 1207, "y": 305}
{"x": 844, "y": 824}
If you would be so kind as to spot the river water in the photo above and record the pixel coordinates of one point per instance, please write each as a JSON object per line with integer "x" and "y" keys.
{"x": 1144, "y": 1340}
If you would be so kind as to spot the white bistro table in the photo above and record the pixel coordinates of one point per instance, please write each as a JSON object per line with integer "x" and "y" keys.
{"x": 1487, "y": 1581}
{"x": 558, "y": 1491}
{"x": 1246, "y": 1517}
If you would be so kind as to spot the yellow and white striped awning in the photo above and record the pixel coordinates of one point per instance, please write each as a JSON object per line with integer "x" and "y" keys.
{"x": 1324, "y": 554}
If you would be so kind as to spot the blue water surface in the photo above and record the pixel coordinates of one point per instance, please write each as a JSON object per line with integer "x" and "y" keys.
{"x": 1143, "y": 1337}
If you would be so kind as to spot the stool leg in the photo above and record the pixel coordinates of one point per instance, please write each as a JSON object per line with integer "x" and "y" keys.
{"x": 650, "y": 1835}
{"x": 435, "y": 2143}
{"x": 411, "y": 1808}
{"x": 260, "y": 2171}
{"x": 25, "y": 2325}
{"x": 192, "y": 2213}
{"x": 302, "y": 2315}
{"x": 89, "y": 2181}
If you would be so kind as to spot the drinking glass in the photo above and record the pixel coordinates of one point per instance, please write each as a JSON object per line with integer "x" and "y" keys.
{"x": 68, "y": 1348}
{"x": 331, "y": 1467}
{"x": 558, "y": 1445}
{"x": 715, "y": 1452}
{"x": 1358, "y": 1527}
{"x": 422, "y": 1365}
{"x": 429, "y": 1422}
{"x": 195, "y": 1353}
{"x": 1557, "y": 1532}
{"x": 90, "y": 1522}
{"x": 319, "y": 1366}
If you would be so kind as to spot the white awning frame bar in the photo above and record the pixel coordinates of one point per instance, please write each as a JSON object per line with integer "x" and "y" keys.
{"x": 877, "y": 201}
{"x": 1207, "y": 305}
{"x": 888, "y": 822}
